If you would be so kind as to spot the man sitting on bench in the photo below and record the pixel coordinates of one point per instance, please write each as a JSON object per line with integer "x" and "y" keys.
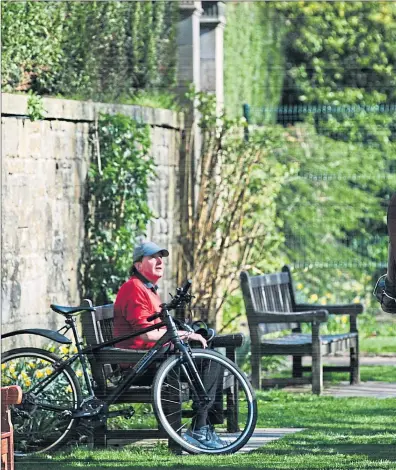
{"x": 136, "y": 300}
{"x": 385, "y": 290}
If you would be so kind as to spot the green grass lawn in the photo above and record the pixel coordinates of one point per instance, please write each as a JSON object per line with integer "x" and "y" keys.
{"x": 340, "y": 433}
{"x": 367, "y": 374}
{"x": 375, "y": 374}
{"x": 378, "y": 344}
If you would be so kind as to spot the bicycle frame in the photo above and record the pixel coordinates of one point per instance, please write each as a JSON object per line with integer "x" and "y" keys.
{"x": 170, "y": 336}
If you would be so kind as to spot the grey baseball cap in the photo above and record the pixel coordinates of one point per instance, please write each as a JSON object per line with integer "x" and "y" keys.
{"x": 148, "y": 249}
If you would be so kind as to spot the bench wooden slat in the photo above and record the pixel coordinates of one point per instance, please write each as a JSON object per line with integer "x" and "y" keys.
{"x": 270, "y": 280}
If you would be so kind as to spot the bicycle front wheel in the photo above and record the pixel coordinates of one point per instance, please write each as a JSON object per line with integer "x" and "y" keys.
{"x": 43, "y": 421}
{"x": 229, "y": 406}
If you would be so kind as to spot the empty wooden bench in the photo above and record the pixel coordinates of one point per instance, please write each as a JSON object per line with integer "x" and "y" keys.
{"x": 9, "y": 396}
{"x": 98, "y": 328}
{"x": 271, "y": 307}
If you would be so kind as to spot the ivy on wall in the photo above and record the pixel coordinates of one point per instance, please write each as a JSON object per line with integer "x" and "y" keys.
{"x": 118, "y": 211}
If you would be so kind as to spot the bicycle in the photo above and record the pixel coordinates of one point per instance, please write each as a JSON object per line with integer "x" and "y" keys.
{"x": 53, "y": 403}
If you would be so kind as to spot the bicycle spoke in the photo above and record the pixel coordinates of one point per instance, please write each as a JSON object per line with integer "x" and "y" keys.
{"x": 217, "y": 419}
{"x": 43, "y": 420}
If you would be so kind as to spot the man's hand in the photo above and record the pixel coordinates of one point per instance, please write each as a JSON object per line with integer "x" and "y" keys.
{"x": 198, "y": 337}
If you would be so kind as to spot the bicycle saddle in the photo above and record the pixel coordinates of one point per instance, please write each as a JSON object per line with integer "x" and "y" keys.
{"x": 70, "y": 310}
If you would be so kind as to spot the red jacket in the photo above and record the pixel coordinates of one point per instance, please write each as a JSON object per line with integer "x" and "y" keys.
{"x": 134, "y": 303}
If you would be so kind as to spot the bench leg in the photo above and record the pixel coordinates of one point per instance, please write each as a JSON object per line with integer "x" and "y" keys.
{"x": 354, "y": 365}
{"x": 232, "y": 408}
{"x": 99, "y": 435}
{"x": 317, "y": 366}
{"x": 297, "y": 367}
{"x": 256, "y": 369}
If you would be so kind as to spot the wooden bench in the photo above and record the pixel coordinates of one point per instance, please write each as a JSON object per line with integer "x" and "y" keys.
{"x": 9, "y": 396}
{"x": 97, "y": 328}
{"x": 271, "y": 307}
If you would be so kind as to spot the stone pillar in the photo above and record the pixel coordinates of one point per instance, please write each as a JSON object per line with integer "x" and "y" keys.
{"x": 212, "y": 50}
{"x": 212, "y": 65}
{"x": 188, "y": 46}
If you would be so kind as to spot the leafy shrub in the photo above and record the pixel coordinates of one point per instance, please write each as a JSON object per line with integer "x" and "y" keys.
{"x": 92, "y": 49}
{"x": 118, "y": 211}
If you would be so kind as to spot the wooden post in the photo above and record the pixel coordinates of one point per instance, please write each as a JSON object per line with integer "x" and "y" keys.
{"x": 297, "y": 366}
{"x": 9, "y": 396}
{"x": 317, "y": 368}
{"x": 354, "y": 353}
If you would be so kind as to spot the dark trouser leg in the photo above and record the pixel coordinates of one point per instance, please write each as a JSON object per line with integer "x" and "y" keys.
{"x": 211, "y": 374}
{"x": 390, "y": 281}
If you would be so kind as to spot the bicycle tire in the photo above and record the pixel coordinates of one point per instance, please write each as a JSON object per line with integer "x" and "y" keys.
{"x": 38, "y": 430}
{"x": 166, "y": 405}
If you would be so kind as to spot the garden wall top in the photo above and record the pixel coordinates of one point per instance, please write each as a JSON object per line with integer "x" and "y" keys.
{"x": 87, "y": 111}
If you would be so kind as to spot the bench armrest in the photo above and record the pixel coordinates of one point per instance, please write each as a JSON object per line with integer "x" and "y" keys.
{"x": 234, "y": 340}
{"x": 308, "y": 316}
{"x": 341, "y": 309}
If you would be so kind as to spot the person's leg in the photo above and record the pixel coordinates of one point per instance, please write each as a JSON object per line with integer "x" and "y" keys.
{"x": 202, "y": 431}
{"x": 210, "y": 373}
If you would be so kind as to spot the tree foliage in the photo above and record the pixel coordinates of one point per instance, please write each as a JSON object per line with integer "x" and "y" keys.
{"x": 31, "y": 50}
{"x": 340, "y": 59}
{"x": 339, "y": 52}
{"x": 92, "y": 50}
{"x": 339, "y": 130}
{"x": 253, "y": 56}
{"x": 329, "y": 208}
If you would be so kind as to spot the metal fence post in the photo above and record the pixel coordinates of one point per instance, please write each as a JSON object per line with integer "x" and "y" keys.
{"x": 246, "y": 115}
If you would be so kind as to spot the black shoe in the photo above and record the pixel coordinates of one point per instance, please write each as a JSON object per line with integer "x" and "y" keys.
{"x": 387, "y": 301}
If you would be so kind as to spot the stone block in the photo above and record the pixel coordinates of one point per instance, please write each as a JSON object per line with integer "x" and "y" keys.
{"x": 9, "y": 137}
{"x": 14, "y": 104}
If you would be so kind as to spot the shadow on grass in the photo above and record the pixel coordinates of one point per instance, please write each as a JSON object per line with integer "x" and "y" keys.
{"x": 106, "y": 464}
{"x": 371, "y": 451}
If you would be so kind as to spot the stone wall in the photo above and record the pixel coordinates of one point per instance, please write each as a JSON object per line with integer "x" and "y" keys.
{"x": 44, "y": 170}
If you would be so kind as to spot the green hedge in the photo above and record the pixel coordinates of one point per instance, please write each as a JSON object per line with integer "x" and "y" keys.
{"x": 253, "y": 56}
{"x": 97, "y": 50}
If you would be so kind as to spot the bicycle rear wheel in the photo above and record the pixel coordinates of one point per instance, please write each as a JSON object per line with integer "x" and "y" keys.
{"x": 43, "y": 421}
{"x": 232, "y": 413}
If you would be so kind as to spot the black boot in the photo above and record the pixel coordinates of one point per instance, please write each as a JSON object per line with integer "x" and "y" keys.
{"x": 385, "y": 295}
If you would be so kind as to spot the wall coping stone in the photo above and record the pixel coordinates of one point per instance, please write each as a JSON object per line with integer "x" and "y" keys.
{"x": 72, "y": 110}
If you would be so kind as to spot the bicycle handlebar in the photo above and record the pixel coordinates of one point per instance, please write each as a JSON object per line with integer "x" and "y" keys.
{"x": 175, "y": 302}
{"x": 153, "y": 317}
{"x": 186, "y": 286}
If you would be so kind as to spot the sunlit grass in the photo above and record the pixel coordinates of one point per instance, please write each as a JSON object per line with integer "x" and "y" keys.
{"x": 339, "y": 433}
{"x": 378, "y": 345}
